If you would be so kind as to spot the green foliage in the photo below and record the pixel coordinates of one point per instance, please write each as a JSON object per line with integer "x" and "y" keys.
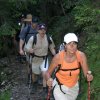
{"x": 86, "y": 15}
{"x": 61, "y": 27}
{"x": 6, "y": 29}
{"x": 5, "y": 95}
{"x": 69, "y": 3}
{"x": 92, "y": 50}
{"x": 62, "y": 17}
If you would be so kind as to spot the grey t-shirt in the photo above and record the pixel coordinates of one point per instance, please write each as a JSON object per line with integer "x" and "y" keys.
{"x": 27, "y": 32}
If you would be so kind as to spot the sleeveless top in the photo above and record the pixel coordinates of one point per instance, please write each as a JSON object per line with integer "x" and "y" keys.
{"x": 68, "y": 73}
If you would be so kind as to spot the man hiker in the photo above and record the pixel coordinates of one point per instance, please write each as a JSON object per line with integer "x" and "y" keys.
{"x": 38, "y": 46}
{"x": 29, "y": 30}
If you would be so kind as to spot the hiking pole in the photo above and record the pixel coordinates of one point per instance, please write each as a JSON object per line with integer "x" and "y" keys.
{"x": 48, "y": 95}
{"x": 89, "y": 91}
{"x": 30, "y": 75}
{"x": 30, "y": 71}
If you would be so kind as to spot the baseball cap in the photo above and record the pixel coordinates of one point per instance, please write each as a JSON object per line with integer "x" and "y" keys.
{"x": 41, "y": 26}
{"x": 70, "y": 37}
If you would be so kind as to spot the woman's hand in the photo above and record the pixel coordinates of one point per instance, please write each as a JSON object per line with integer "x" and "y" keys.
{"x": 49, "y": 82}
{"x": 89, "y": 76}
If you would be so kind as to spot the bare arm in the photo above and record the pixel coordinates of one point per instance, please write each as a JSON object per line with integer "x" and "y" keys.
{"x": 28, "y": 47}
{"x": 21, "y": 43}
{"x": 53, "y": 65}
{"x": 22, "y": 37}
{"x": 53, "y": 51}
{"x": 52, "y": 47}
{"x": 85, "y": 67}
{"x": 84, "y": 64}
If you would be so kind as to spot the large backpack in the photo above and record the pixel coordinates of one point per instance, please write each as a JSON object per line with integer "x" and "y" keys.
{"x": 61, "y": 47}
{"x": 48, "y": 39}
{"x": 27, "y": 32}
{"x": 35, "y": 41}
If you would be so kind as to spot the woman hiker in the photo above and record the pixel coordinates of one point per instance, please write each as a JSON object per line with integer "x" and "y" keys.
{"x": 67, "y": 64}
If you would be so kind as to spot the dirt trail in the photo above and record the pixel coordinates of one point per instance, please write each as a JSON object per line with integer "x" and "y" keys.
{"x": 19, "y": 87}
{"x": 20, "y": 91}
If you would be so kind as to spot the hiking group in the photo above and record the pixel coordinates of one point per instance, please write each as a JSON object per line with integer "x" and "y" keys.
{"x": 35, "y": 43}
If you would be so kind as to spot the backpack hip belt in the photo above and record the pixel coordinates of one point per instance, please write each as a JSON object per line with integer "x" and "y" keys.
{"x": 59, "y": 68}
{"x": 44, "y": 58}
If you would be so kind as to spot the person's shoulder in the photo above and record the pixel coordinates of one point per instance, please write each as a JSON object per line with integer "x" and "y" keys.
{"x": 81, "y": 53}
{"x": 32, "y": 30}
{"x": 26, "y": 27}
{"x": 58, "y": 56}
{"x": 31, "y": 38}
{"x": 61, "y": 53}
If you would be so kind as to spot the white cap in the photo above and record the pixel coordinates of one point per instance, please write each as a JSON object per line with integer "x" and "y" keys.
{"x": 70, "y": 37}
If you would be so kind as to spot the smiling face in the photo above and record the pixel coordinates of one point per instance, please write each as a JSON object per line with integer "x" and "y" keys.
{"x": 71, "y": 47}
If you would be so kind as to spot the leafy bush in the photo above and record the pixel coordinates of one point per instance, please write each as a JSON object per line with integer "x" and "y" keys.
{"x": 5, "y": 95}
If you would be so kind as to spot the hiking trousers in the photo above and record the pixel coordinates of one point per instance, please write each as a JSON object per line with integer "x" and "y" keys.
{"x": 70, "y": 93}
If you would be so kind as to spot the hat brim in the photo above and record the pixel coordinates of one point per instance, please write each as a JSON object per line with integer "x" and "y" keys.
{"x": 27, "y": 20}
{"x": 41, "y": 28}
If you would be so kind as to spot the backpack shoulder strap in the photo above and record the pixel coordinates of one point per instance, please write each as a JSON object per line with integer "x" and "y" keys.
{"x": 34, "y": 38}
{"x": 28, "y": 29}
{"x": 61, "y": 56}
{"x": 49, "y": 39}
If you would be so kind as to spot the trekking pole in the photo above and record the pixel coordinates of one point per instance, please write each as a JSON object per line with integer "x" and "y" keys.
{"x": 30, "y": 76}
{"x": 49, "y": 92}
{"x": 89, "y": 91}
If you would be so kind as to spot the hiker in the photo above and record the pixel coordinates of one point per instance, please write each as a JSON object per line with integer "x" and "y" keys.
{"x": 61, "y": 47}
{"x": 29, "y": 30}
{"x": 38, "y": 46}
{"x": 31, "y": 25}
{"x": 68, "y": 63}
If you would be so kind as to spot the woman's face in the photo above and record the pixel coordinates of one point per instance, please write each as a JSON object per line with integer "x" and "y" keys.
{"x": 71, "y": 47}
